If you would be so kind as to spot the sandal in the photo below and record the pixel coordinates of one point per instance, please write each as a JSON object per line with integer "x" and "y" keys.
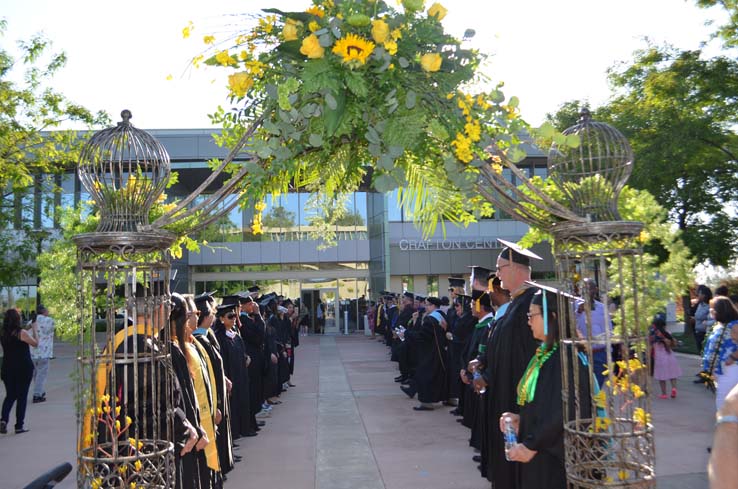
{"x": 673, "y": 392}
{"x": 663, "y": 396}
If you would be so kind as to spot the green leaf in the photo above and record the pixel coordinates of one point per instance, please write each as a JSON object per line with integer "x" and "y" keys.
{"x": 516, "y": 154}
{"x": 573, "y": 140}
{"x": 330, "y": 101}
{"x": 372, "y": 136}
{"x": 356, "y": 83}
{"x": 547, "y": 130}
{"x": 395, "y": 151}
{"x": 335, "y": 114}
{"x": 559, "y": 139}
{"x": 514, "y": 102}
{"x": 384, "y": 183}
{"x": 404, "y": 63}
{"x": 326, "y": 40}
{"x": 386, "y": 162}
{"x": 315, "y": 140}
{"x": 375, "y": 150}
{"x": 497, "y": 96}
{"x": 271, "y": 127}
{"x": 410, "y": 99}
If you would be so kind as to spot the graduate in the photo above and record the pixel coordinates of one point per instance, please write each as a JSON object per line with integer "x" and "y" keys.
{"x": 235, "y": 365}
{"x": 540, "y": 423}
{"x": 457, "y": 335}
{"x": 482, "y": 315}
{"x": 205, "y": 336}
{"x": 401, "y": 349}
{"x": 429, "y": 340}
{"x": 252, "y": 333}
{"x": 509, "y": 349}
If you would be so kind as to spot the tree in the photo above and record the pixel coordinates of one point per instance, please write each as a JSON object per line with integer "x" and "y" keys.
{"x": 728, "y": 32}
{"x": 27, "y": 151}
{"x": 678, "y": 110}
{"x": 278, "y": 217}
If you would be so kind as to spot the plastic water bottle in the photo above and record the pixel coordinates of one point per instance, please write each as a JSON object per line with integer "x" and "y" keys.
{"x": 476, "y": 376}
{"x": 510, "y": 437}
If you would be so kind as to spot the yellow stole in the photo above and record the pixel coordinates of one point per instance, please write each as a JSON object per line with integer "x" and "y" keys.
{"x": 204, "y": 396}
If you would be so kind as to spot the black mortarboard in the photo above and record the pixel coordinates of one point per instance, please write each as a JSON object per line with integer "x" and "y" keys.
{"x": 464, "y": 300}
{"x": 456, "y": 282}
{"x": 514, "y": 253}
{"x": 253, "y": 288}
{"x": 204, "y": 297}
{"x": 479, "y": 278}
{"x": 409, "y": 295}
{"x": 547, "y": 298}
{"x": 225, "y": 308}
{"x": 434, "y": 300}
{"x": 419, "y": 298}
{"x": 481, "y": 297}
{"x": 231, "y": 300}
{"x": 287, "y": 302}
{"x": 268, "y": 299}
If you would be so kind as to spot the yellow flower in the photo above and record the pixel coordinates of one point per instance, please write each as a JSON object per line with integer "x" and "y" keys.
{"x": 267, "y": 24}
{"x": 391, "y": 47}
{"x": 311, "y": 47}
{"x": 438, "y": 11}
{"x": 637, "y": 391}
{"x": 396, "y": 34}
{"x": 106, "y": 398}
{"x": 641, "y": 417}
{"x": 123, "y": 469}
{"x": 316, "y": 11}
{"x": 96, "y": 483}
{"x": 313, "y": 26}
{"x": 170, "y": 77}
{"x": 473, "y": 130}
{"x": 196, "y": 60}
{"x": 256, "y": 68}
{"x": 380, "y": 31}
{"x": 431, "y": 62}
{"x": 289, "y": 31}
{"x": 137, "y": 465}
{"x": 600, "y": 399}
{"x": 224, "y": 59}
{"x": 208, "y": 39}
{"x": 187, "y": 30}
{"x": 117, "y": 425}
{"x": 463, "y": 148}
{"x": 240, "y": 83}
{"x": 132, "y": 485}
{"x": 260, "y": 206}
{"x": 602, "y": 424}
{"x": 353, "y": 48}
{"x": 623, "y": 475}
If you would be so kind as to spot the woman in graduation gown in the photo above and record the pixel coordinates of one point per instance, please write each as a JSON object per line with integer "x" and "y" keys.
{"x": 540, "y": 424}
{"x": 271, "y": 352}
{"x": 252, "y": 333}
{"x": 429, "y": 339}
{"x": 189, "y": 455}
{"x": 235, "y": 365}
{"x": 204, "y": 335}
{"x": 482, "y": 316}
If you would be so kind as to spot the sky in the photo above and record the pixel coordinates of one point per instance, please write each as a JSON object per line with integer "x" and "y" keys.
{"x": 547, "y": 52}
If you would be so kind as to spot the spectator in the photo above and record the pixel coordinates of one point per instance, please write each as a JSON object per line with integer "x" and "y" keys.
{"x": 718, "y": 361}
{"x": 722, "y": 290}
{"x": 722, "y": 469}
{"x": 665, "y": 364}
{"x": 17, "y": 368}
{"x": 600, "y": 323}
{"x": 702, "y": 319}
{"x": 43, "y": 353}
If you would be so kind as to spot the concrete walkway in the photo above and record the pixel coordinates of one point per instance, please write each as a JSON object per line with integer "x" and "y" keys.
{"x": 347, "y": 425}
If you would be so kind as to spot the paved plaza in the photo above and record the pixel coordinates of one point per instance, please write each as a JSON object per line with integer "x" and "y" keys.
{"x": 347, "y": 425}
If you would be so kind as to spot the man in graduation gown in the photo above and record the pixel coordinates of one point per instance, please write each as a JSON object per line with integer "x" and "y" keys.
{"x": 252, "y": 332}
{"x": 400, "y": 349}
{"x": 509, "y": 349}
{"x": 429, "y": 341}
{"x": 206, "y": 337}
{"x": 392, "y": 313}
{"x": 456, "y": 335}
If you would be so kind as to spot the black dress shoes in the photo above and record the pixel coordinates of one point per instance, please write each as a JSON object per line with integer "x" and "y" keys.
{"x": 260, "y": 423}
{"x": 408, "y": 390}
{"x": 422, "y": 408}
{"x": 477, "y": 458}
{"x": 250, "y": 433}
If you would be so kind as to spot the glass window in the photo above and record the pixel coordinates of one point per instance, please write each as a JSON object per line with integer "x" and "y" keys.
{"x": 408, "y": 283}
{"x": 291, "y": 204}
{"x": 24, "y": 200}
{"x": 394, "y": 210}
{"x": 279, "y": 220}
{"x": 48, "y": 200}
{"x": 432, "y": 285}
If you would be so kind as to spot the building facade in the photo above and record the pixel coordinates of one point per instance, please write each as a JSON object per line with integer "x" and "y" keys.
{"x": 377, "y": 246}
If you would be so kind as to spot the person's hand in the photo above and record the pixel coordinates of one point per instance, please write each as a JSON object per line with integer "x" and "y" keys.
{"x": 274, "y": 358}
{"x": 449, "y": 336}
{"x": 191, "y": 440}
{"x": 730, "y": 360}
{"x": 515, "y": 418}
{"x": 248, "y": 361}
{"x": 472, "y": 366}
{"x": 284, "y": 354}
{"x": 734, "y": 334}
{"x": 479, "y": 384}
{"x": 218, "y": 416}
{"x": 202, "y": 442}
{"x": 229, "y": 385}
{"x": 415, "y": 315}
{"x": 520, "y": 453}
{"x": 464, "y": 378}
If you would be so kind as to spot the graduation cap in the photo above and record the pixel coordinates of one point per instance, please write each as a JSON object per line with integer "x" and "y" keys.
{"x": 479, "y": 277}
{"x": 253, "y": 289}
{"x": 480, "y": 298}
{"x": 204, "y": 298}
{"x": 231, "y": 300}
{"x": 288, "y": 302}
{"x": 456, "y": 284}
{"x": 268, "y": 299}
{"x": 433, "y": 300}
{"x": 462, "y": 299}
{"x": 514, "y": 253}
{"x": 409, "y": 295}
{"x": 419, "y": 298}
{"x": 224, "y": 309}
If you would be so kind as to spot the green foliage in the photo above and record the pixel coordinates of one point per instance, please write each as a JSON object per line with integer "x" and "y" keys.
{"x": 678, "y": 109}
{"x": 27, "y": 111}
{"x": 728, "y": 32}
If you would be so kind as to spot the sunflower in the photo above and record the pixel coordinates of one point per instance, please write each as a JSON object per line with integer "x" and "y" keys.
{"x": 353, "y": 48}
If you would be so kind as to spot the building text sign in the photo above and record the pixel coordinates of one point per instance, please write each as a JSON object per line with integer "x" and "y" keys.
{"x": 437, "y": 244}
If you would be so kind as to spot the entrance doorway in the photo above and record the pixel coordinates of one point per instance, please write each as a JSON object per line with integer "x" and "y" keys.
{"x": 321, "y": 302}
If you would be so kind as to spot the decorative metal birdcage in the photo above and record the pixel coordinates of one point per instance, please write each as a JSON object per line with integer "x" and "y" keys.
{"x": 608, "y": 433}
{"x": 125, "y": 383}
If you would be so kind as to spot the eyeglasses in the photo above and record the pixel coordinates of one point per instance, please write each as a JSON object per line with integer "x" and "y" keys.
{"x": 231, "y": 315}
{"x": 500, "y": 267}
{"x": 530, "y": 315}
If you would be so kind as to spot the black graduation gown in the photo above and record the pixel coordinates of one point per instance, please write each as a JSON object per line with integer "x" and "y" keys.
{"x": 541, "y": 425}
{"x": 509, "y": 349}
{"x": 191, "y": 469}
{"x": 429, "y": 341}
{"x": 252, "y": 333}
{"x": 271, "y": 376}
{"x": 401, "y": 349}
{"x": 392, "y": 316}
{"x": 225, "y": 438}
{"x": 234, "y": 365}
{"x": 294, "y": 341}
{"x": 461, "y": 327}
{"x": 471, "y": 398}
{"x": 284, "y": 337}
